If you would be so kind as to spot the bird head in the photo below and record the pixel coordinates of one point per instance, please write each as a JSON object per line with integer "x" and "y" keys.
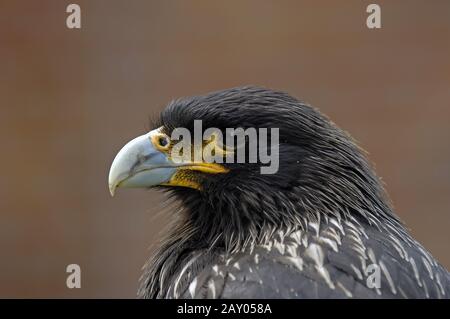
{"x": 319, "y": 169}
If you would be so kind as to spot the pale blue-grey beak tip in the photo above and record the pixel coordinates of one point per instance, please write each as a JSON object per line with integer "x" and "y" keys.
{"x": 139, "y": 164}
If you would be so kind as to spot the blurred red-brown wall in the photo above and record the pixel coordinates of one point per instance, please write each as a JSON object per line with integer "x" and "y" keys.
{"x": 69, "y": 99}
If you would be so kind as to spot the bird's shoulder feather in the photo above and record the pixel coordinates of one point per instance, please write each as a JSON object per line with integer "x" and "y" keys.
{"x": 332, "y": 259}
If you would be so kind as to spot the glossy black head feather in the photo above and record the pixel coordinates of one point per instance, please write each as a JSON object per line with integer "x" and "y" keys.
{"x": 321, "y": 171}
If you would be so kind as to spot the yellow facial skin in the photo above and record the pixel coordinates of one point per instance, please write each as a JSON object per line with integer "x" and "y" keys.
{"x": 146, "y": 161}
{"x": 185, "y": 176}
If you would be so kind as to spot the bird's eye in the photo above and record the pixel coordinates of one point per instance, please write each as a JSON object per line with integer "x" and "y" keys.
{"x": 161, "y": 141}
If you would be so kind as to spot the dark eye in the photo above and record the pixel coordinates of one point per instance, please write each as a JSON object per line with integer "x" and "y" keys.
{"x": 163, "y": 141}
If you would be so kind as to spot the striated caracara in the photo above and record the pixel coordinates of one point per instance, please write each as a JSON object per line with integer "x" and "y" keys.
{"x": 321, "y": 226}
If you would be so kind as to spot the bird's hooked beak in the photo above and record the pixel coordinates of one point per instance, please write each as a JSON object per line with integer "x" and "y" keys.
{"x": 145, "y": 162}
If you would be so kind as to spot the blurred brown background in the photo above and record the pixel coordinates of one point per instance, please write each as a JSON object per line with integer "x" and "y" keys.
{"x": 69, "y": 99}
